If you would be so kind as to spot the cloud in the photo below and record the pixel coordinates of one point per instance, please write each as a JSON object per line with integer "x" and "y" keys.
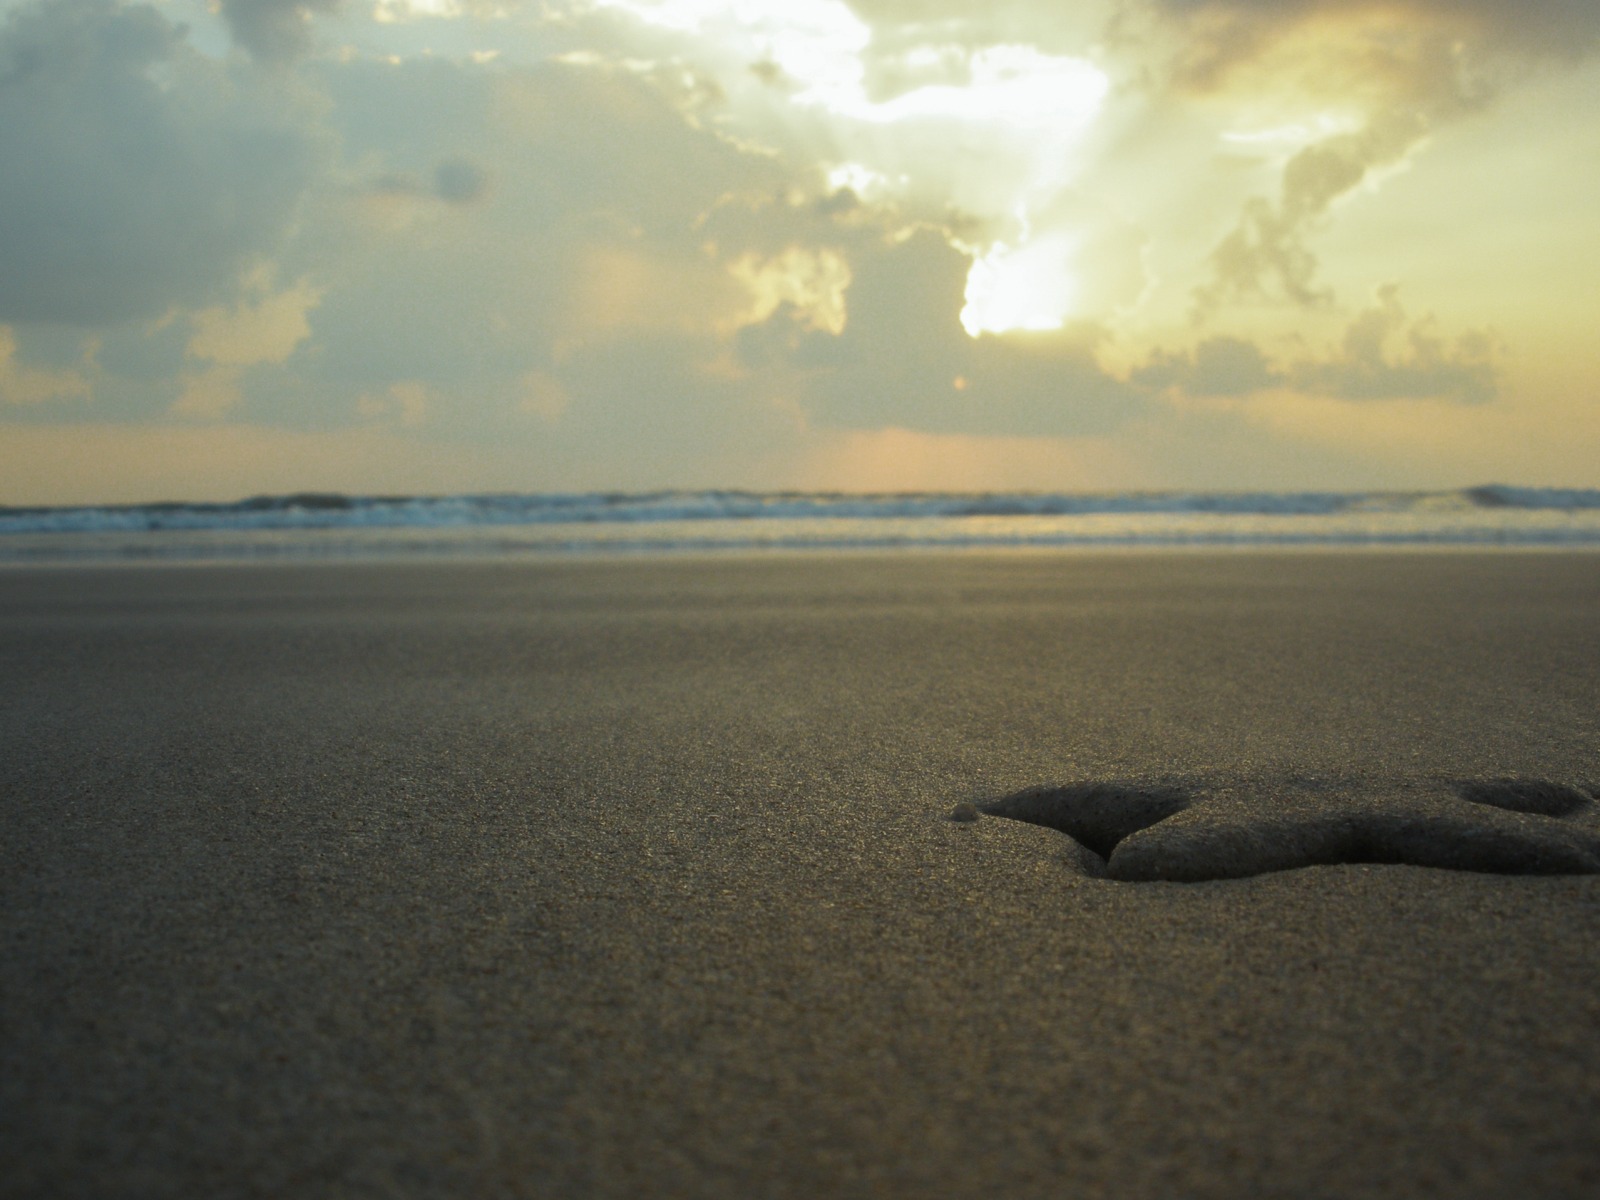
{"x": 639, "y": 263}
{"x": 1383, "y": 355}
{"x": 1218, "y": 366}
{"x": 1390, "y": 71}
{"x": 458, "y": 181}
{"x": 944, "y": 117}
{"x": 809, "y": 284}
{"x": 273, "y": 30}
{"x": 263, "y": 327}
{"x": 138, "y": 174}
{"x": 1224, "y": 33}
{"x": 1266, "y": 254}
{"x": 29, "y": 385}
{"x": 903, "y": 360}
{"x": 918, "y": 26}
{"x": 455, "y": 180}
{"x": 596, "y": 233}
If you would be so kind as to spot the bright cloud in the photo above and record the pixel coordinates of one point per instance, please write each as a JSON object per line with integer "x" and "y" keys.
{"x": 263, "y": 327}
{"x": 387, "y": 12}
{"x": 987, "y": 132}
{"x": 28, "y": 385}
{"x": 812, "y": 283}
{"x": 817, "y": 44}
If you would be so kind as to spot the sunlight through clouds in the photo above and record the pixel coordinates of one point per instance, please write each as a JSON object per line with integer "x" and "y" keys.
{"x": 638, "y": 243}
{"x": 818, "y": 43}
{"x": 988, "y": 133}
{"x": 1029, "y": 287}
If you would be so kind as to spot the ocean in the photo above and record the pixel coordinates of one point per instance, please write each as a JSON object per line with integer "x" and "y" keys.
{"x": 335, "y": 526}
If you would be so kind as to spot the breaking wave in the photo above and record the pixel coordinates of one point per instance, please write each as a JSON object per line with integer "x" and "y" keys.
{"x": 332, "y": 524}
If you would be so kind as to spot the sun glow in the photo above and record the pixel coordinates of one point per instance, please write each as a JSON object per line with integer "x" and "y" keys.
{"x": 1016, "y": 86}
{"x": 1293, "y": 135}
{"x": 1030, "y": 287}
{"x": 993, "y": 133}
{"x": 817, "y": 44}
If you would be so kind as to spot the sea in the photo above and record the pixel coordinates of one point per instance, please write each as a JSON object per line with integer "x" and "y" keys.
{"x": 309, "y": 526}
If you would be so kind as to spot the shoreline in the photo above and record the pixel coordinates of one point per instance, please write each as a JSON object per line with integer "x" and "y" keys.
{"x": 710, "y": 554}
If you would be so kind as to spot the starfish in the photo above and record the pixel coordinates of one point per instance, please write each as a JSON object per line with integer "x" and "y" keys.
{"x": 1192, "y": 829}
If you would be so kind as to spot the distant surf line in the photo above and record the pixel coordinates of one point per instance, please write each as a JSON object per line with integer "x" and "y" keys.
{"x": 333, "y": 525}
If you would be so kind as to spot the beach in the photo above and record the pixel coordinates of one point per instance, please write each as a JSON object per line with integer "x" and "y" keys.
{"x": 636, "y": 877}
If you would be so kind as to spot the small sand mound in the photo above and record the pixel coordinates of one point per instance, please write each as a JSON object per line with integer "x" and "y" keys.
{"x": 1199, "y": 830}
{"x": 1538, "y": 796}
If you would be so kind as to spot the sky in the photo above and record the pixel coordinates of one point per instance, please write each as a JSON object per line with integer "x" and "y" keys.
{"x": 437, "y": 246}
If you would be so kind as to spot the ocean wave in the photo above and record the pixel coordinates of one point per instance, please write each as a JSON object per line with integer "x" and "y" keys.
{"x": 318, "y": 510}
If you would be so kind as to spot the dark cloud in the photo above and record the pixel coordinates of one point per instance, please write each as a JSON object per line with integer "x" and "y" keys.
{"x": 1219, "y": 366}
{"x": 1383, "y": 355}
{"x": 459, "y": 181}
{"x": 840, "y": 203}
{"x": 273, "y": 30}
{"x": 771, "y": 74}
{"x": 138, "y": 175}
{"x": 904, "y": 359}
{"x": 1224, "y": 33}
{"x": 455, "y": 180}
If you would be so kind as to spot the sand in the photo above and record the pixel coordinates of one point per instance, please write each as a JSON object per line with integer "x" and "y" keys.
{"x": 639, "y": 878}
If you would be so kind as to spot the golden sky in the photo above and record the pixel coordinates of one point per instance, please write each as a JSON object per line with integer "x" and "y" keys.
{"x": 465, "y": 245}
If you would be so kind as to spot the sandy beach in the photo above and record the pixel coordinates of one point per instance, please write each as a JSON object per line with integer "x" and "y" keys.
{"x": 637, "y": 878}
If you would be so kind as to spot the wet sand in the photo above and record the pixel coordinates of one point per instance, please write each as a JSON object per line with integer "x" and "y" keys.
{"x": 622, "y": 878}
